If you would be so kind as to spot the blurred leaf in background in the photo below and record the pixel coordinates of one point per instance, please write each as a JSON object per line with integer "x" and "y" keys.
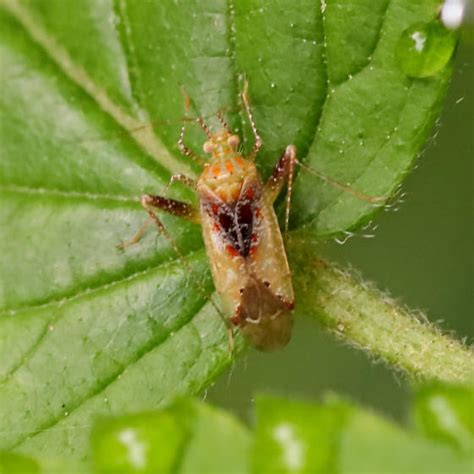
{"x": 289, "y": 437}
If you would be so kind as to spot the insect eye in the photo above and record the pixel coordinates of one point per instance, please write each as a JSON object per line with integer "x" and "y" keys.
{"x": 209, "y": 146}
{"x": 233, "y": 141}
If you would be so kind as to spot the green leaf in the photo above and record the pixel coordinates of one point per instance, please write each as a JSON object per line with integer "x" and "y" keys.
{"x": 446, "y": 413}
{"x": 86, "y": 329}
{"x": 218, "y": 443}
{"x": 290, "y": 436}
{"x": 11, "y": 463}
{"x": 185, "y": 438}
{"x": 296, "y": 437}
{"x": 147, "y": 443}
{"x": 371, "y": 444}
{"x": 338, "y": 437}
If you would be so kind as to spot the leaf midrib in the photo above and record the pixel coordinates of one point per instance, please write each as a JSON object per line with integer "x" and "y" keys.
{"x": 61, "y": 300}
{"x": 75, "y": 73}
{"x": 147, "y": 140}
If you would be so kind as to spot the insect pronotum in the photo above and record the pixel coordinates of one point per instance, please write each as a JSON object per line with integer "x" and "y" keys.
{"x": 241, "y": 232}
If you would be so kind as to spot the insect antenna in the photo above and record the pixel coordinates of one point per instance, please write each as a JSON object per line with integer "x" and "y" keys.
{"x": 186, "y": 151}
{"x": 130, "y": 131}
{"x": 222, "y": 120}
{"x": 204, "y": 126}
{"x": 376, "y": 200}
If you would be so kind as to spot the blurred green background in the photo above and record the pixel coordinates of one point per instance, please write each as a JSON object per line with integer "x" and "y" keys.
{"x": 422, "y": 254}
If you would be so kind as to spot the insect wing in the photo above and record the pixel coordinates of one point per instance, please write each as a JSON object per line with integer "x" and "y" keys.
{"x": 268, "y": 261}
{"x": 229, "y": 269}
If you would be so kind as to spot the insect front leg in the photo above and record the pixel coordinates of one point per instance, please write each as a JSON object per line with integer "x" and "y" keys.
{"x": 171, "y": 206}
{"x": 283, "y": 171}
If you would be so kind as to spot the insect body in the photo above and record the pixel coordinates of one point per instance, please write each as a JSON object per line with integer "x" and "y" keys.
{"x": 244, "y": 244}
{"x": 241, "y": 233}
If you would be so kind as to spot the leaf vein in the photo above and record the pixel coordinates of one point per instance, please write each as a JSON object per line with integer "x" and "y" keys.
{"x": 105, "y": 384}
{"x": 86, "y": 196}
{"x": 146, "y": 139}
{"x": 77, "y": 296}
{"x": 375, "y": 156}
{"x": 374, "y": 48}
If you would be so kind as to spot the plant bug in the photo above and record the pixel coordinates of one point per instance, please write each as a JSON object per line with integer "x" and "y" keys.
{"x": 243, "y": 240}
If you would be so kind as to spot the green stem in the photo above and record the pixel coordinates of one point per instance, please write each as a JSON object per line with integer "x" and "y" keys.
{"x": 370, "y": 320}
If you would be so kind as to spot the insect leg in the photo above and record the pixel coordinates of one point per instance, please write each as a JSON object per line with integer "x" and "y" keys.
{"x": 136, "y": 237}
{"x": 376, "y": 200}
{"x": 258, "y": 140}
{"x": 183, "y": 179}
{"x": 187, "y": 211}
{"x": 283, "y": 171}
{"x": 148, "y": 202}
{"x": 172, "y": 206}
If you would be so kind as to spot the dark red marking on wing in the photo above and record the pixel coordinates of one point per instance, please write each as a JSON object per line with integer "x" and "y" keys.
{"x": 245, "y": 218}
{"x": 237, "y": 223}
{"x": 232, "y": 251}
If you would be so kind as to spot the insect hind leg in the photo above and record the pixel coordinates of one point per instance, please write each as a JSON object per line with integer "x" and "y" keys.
{"x": 284, "y": 170}
{"x": 178, "y": 208}
{"x": 375, "y": 200}
{"x": 171, "y": 206}
{"x": 136, "y": 237}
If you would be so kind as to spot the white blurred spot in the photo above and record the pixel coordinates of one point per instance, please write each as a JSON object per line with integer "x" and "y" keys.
{"x": 419, "y": 40}
{"x": 136, "y": 449}
{"x": 292, "y": 447}
{"x": 452, "y": 13}
{"x": 448, "y": 418}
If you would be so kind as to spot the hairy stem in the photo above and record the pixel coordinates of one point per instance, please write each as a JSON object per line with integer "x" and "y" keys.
{"x": 368, "y": 319}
